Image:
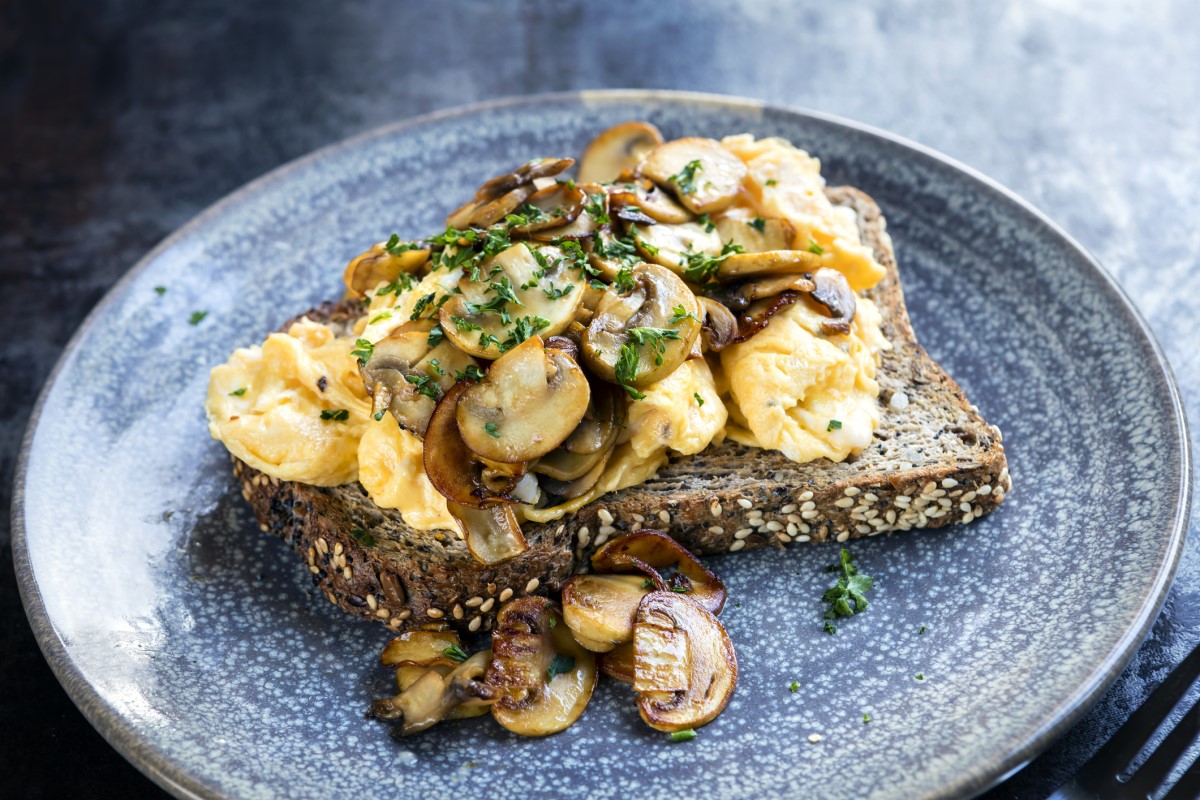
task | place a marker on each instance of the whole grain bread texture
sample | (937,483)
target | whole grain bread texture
(933,461)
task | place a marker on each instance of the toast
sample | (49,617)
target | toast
(933,461)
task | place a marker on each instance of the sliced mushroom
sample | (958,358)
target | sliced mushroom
(610,254)
(652,201)
(544,677)
(833,293)
(617,149)
(454,469)
(569,490)
(600,425)
(382,264)
(593,218)
(492,534)
(739,266)
(703,175)
(523,290)
(483,213)
(529,402)
(433,697)
(640,331)
(756,235)
(523,175)
(657,551)
(618,662)
(720,325)
(552,207)
(674,246)
(406,376)
(600,609)
(740,296)
(421,648)
(684,666)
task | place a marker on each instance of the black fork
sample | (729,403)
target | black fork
(1103,776)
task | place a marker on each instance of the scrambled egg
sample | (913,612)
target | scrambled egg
(265,404)
(790,388)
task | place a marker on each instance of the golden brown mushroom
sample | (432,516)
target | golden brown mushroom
(703,175)
(619,148)
(434,696)
(650,552)
(600,609)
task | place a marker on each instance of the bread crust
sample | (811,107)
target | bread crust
(932,463)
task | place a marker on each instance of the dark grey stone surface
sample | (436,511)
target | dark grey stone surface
(121,120)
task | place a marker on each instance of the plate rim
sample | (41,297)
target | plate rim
(155,764)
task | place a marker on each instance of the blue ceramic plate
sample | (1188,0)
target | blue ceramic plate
(195,644)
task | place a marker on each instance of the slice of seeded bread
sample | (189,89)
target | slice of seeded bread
(933,461)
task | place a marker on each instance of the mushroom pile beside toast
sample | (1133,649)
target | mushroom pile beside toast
(696,336)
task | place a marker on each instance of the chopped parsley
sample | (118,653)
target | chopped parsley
(794,687)
(455,653)
(335,415)
(771,181)
(656,338)
(378,415)
(364,350)
(523,328)
(642,243)
(866,718)
(648,584)
(160,290)
(463,325)
(685,179)
(706,222)
(702,267)
(699,399)
(921,631)
(363,536)
(437,366)
(436,334)
(526,214)
(920,676)
(238,392)
(595,209)
(380,316)
(396,247)
(815,248)
(626,370)
(624,280)
(404,281)
(554,292)
(679,314)
(197,317)
(758,223)
(685,735)
(491,430)
(834,425)
(622,250)
(472,372)
(848,596)
(422,306)
(426,385)
(559,666)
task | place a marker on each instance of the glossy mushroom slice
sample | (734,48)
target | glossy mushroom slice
(756,235)
(703,175)
(523,175)
(523,290)
(675,246)
(738,297)
(529,402)
(739,266)
(492,534)
(610,253)
(652,201)
(600,609)
(649,548)
(544,677)
(384,263)
(435,696)
(619,148)
(422,648)
(833,293)
(589,445)
(487,212)
(552,207)
(684,666)
(405,375)
(640,336)
(455,470)
(594,218)
(618,662)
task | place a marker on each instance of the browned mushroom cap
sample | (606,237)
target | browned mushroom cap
(525,289)
(492,534)
(594,218)
(835,295)
(640,331)
(421,648)
(452,467)
(648,548)
(720,325)
(703,175)
(600,425)
(620,148)
(383,264)
(406,376)
(684,666)
(529,402)
(552,207)
(739,266)
(618,662)
(739,296)
(434,696)
(610,254)
(672,245)
(544,677)
(483,213)
(600,609)
(526,174)
(756,235)
(652,201)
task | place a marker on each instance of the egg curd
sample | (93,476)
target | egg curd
(295,407)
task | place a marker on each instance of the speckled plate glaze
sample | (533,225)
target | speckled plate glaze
(195,645)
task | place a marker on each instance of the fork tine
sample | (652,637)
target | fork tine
(1131,737)
(1188,787)
(1164,758)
